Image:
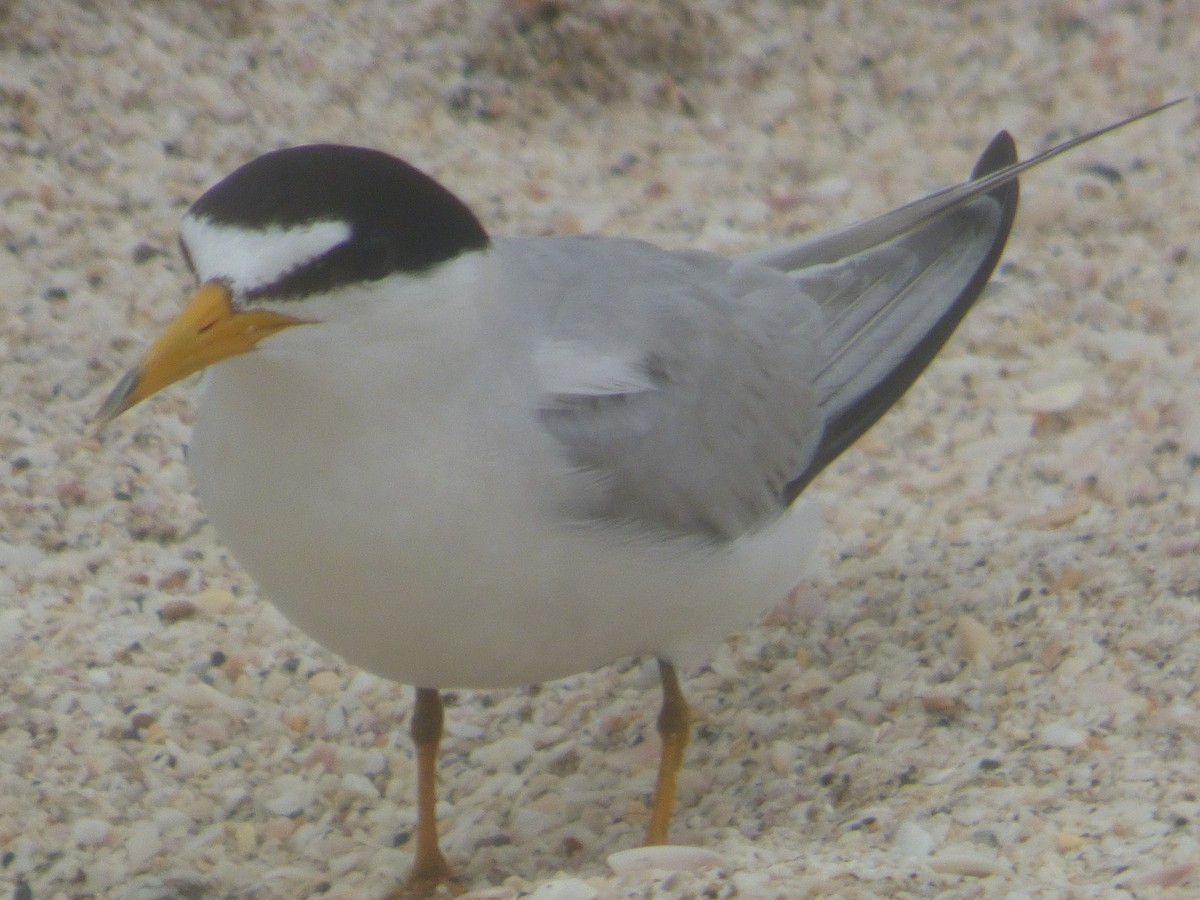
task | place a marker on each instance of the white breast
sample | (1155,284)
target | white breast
(400,503)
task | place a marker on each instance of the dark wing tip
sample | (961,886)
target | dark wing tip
(845,428)
(1001,152)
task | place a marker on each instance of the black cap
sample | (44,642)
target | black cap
(400,219)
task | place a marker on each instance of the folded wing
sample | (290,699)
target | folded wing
(699,396)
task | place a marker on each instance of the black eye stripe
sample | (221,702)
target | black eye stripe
(351,262)
(376,256)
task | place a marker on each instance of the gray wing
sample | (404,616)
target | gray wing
(697,394)
(701,395)
(682,384)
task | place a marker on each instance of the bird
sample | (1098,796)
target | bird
(466,461)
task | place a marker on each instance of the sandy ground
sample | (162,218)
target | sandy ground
(986,689)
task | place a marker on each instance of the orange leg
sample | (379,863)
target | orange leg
(429,868)
(674,726)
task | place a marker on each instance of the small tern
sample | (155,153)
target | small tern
(461,461)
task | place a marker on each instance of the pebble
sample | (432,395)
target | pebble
(1069,841)
(90,832)
(216,601)
(307,839)
(1060,515)
(373,762)
(666,858)
(506,753)
(1057,398)
(913,840)
(563,889)
(492,893)
(1083,656)
(1169,877)
(941,704)
(169,820)
(783,755)
(359,786)
(1060,734)
(463,730)
(177,611)
(976,642)
(326,681)
(334,720)
(969,864)
(527,822)
(754,886)
(855,688)
(11,625)
(232,798)
(143,842)
(199,695)
(830,189)
(245,837)
(279,828)
(287,795)
(846,732)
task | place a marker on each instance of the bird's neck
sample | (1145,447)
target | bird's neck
(418,348)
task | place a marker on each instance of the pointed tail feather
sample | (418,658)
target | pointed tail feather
(894,288)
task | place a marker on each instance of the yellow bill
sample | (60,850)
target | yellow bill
(207,331)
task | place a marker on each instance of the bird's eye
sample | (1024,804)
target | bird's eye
(376,255)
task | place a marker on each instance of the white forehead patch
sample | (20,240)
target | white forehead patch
(251,258)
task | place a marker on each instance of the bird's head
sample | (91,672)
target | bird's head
(272,243)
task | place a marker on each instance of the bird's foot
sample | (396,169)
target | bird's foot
(430,878)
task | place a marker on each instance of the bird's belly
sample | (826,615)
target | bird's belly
(442,565)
